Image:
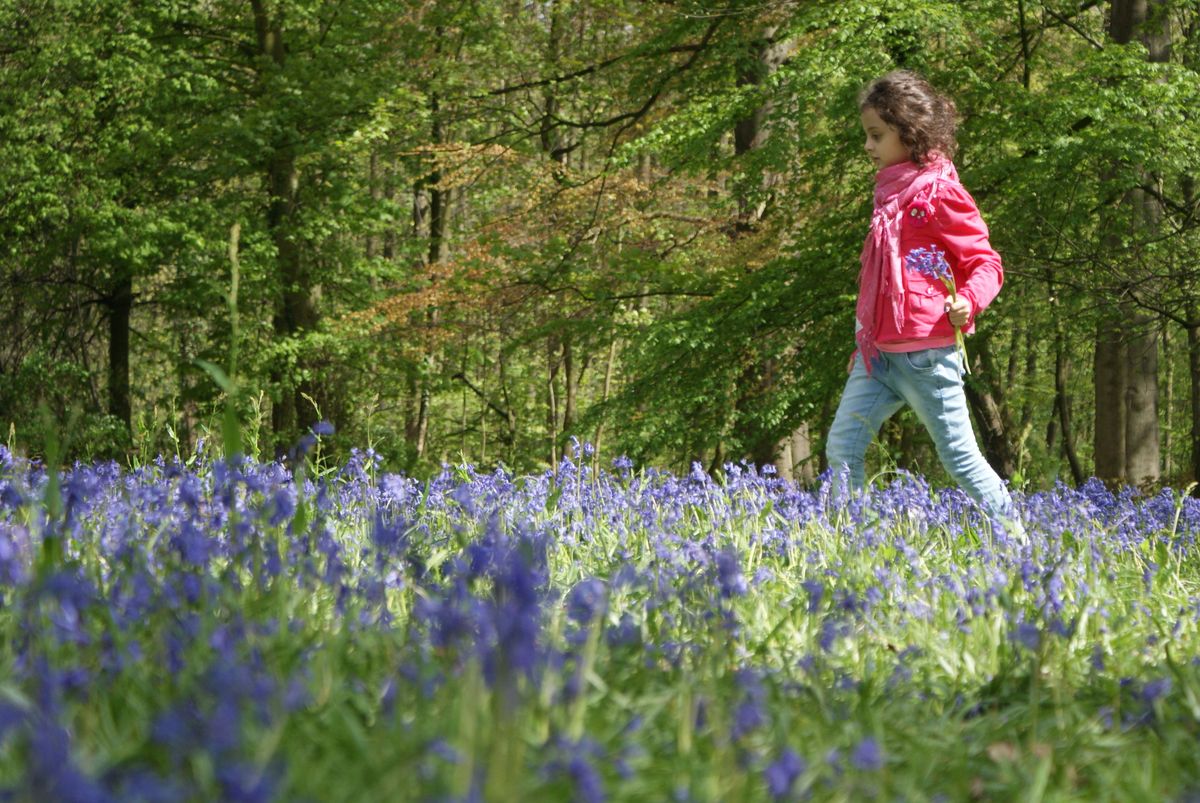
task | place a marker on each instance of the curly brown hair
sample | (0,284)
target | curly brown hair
(922,116)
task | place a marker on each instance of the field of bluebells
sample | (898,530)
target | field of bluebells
(213,631)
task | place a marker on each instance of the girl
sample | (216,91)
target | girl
(925,224)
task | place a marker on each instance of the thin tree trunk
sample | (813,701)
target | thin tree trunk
(1062,396)
(763,55)
(423,420)
(803,470)
(783,461)
(994,430)
(1193,341)
(607,389)
(120,304)
(1168,443)
(371,247)
(438,218)
(1193,337)
(462,419)
(1127,394)
(1025,67)
(1142,452)
(296,311)
(570,382)
(552,362)
(411,396)
(510,416)
(1110,381)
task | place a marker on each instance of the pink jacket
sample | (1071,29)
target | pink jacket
(955,228)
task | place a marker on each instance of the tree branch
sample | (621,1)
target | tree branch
(507,416)
(590,69)
(1067,21)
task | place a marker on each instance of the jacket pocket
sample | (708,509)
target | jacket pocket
(924,294)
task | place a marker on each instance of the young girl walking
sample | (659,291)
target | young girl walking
(925,229)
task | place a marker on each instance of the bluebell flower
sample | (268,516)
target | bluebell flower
(867,755)
(13,564)
(782,773)
(52,775)
(443,750)
(10,495)
(1156,689)
(930,262)
(586,600)
(589,788)
(12,717)
(141,786)
(625,633)
(831,631)
(816,590)
(243,783)
(729,573)
(747,717)
(1027,635)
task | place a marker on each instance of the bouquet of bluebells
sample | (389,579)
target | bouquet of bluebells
(931,262)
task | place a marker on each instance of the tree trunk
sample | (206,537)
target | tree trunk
(371,246)
(411,399)
(295,311)
(570,382)
(1193,340)
(803,469)
(510,416)
(1127,429)
(996,447)
(1062,396)
(120,303)
(1168,442)
(1109,371)
(437,217)
(1025,426)
(607,388)
(994,428)
(1193,335)
(763,55)
(462,418)
(552,363)
(422,434)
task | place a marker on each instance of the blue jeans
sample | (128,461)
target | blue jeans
(930,382)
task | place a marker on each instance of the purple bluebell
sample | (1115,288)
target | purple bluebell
(625,633)
(1027,635)
(1156,689)
(729,573)
(589,788)
(816,591)
(930,262)
(781,774)
(867,755)
(586,600)
(748,716)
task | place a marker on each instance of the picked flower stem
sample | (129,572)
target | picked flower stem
(959,340)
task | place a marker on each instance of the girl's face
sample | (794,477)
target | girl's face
(883,143)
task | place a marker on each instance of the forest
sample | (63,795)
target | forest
(507,232)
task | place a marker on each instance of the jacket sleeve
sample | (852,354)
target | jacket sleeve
(964,236)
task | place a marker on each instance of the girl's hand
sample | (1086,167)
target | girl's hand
(959,311)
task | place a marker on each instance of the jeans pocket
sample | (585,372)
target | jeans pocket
(924,361)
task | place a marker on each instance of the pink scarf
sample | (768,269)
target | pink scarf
(900,189)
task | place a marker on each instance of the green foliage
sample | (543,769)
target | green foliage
(602,214)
